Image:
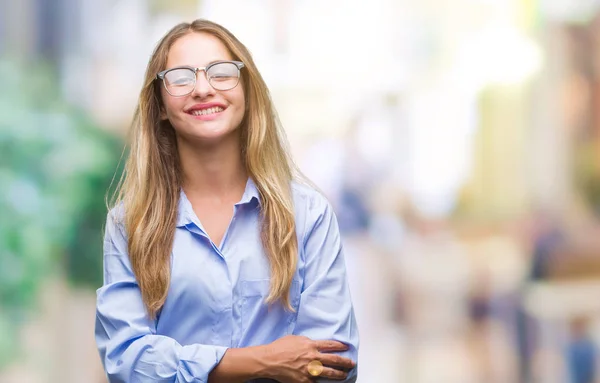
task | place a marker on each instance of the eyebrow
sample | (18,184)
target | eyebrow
(193,66)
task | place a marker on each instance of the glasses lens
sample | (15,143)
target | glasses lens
(180,82)
(223,76)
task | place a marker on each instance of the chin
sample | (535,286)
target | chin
(211,135)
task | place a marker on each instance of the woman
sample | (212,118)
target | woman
(218,266)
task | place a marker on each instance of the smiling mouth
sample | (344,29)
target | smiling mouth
(205,112)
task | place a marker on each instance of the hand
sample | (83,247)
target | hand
(287,359)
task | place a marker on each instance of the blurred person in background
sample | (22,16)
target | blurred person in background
(218,265)
(547,235)
(581,352)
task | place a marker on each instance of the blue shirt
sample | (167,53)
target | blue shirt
(216,296)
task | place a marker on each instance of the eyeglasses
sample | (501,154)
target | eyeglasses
(181,81)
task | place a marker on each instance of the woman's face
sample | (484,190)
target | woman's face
(206,114)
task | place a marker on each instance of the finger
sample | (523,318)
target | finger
(330,345)
(332,373)
(333,360)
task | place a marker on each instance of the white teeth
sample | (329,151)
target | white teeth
(204,112)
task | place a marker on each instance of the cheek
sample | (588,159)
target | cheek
(241,108)
(240,100)
(171,106)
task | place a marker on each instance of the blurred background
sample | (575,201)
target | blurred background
(459,142)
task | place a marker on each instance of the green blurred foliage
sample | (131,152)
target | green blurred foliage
(55,167)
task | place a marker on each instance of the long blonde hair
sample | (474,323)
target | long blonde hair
(149,188)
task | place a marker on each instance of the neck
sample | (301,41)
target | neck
(213,171)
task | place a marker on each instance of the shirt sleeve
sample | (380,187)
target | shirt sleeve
(325,310)
(126,338)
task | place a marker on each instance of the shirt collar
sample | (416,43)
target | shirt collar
(185,212)
(250,194)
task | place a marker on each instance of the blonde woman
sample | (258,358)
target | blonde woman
(218,265)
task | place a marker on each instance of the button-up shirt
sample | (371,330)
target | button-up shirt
(216,297)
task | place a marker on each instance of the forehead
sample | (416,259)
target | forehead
(198,50)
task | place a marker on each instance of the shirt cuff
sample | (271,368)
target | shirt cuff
(197,361)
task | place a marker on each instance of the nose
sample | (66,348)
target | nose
(203,87)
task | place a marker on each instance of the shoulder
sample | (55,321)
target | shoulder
(308,198)
(115,220)
(310,207)
(116,214)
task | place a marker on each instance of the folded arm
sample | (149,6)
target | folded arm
(325,310)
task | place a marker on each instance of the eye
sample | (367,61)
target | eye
(180,77)
(181,82)
(221,78)
(223,72)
